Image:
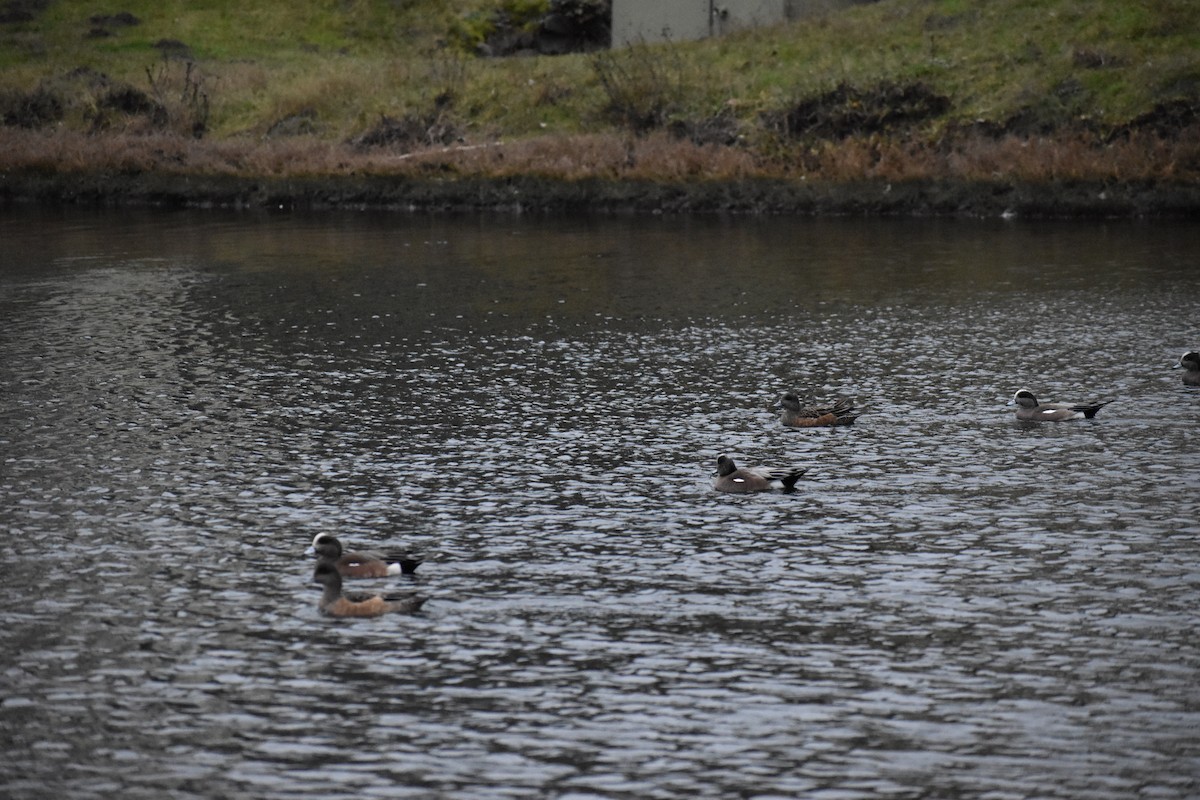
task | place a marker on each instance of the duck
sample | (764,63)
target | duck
(360,564)
(797,416)
(1189,362)
(1030,409)
(334,603)
(729,477)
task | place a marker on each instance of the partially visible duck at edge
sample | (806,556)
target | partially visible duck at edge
(362,563)
(1028,408)
(335,603)
(797,416)
(732,478)
(1189,362)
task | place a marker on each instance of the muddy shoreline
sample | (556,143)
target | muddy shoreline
(1042,200)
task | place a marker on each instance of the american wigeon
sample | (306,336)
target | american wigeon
(358,604)
(797,416)
(1030,409)
(731,478)
(1190,363)
(363,563)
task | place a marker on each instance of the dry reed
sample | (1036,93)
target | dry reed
(1139,156)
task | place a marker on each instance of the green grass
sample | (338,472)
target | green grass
(228,31)
(352,61)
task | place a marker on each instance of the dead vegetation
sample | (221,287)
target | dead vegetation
(410,132)
(175,99)
(1135,155)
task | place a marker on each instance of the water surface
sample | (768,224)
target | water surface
(953,604)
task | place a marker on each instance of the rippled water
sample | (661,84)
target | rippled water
(952,604)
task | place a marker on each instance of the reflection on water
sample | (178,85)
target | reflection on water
(952,604)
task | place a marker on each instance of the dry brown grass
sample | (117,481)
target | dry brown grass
(975,157)
(1138,157)
(563,158)
(657,157)
(613,157)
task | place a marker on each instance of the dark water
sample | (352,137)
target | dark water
(952,605)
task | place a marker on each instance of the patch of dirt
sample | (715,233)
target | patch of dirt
(122,19)
(105,25)
(301,123)
(15,12)
(89,77)
(1165,119)
(173,49)
(1091,58)
(408,132)
(123,100)
(128,100)
(850,111)
(33,109)
(720,129)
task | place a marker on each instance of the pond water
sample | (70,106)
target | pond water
(952,604)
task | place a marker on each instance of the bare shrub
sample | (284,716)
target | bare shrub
(722,128)
(643,85)
(408,132)
(179,89)
(33,109)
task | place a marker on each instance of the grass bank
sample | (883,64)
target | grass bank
(900,106)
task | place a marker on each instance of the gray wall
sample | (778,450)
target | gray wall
(678,20)
(658,20)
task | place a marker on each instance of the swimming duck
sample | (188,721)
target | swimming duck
(1031,409)
(797,416)
(1190,363)
(731,478)
(360,564)
(358,604)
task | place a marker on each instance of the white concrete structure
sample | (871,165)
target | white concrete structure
(678,20)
